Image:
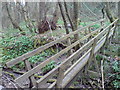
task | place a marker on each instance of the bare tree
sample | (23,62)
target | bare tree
(75,22)
(25,13)
(108,12)
(55,14)
(13,21)
(68,16)
(75,19)
(63,16)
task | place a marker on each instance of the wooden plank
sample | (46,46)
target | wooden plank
(28,67)
(69,59)
(104,30)
(91,55)
(38,67)
(64,84)
(111,31)
(96,64)
(44,79)
(79,74)
(103,37)
(79,66)
(76,69)
(52,85)
(69,43)
(38,50)
(60,77)
(82,63)
(78,61)
(46,76)
(32,53)
(99,45)
(93,74)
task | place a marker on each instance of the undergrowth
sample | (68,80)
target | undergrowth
(17,46)
(116,74)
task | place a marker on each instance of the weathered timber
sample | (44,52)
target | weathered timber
(60,77)
(101,42)
(28,67)
(65,77)
(37,68)
(40,49)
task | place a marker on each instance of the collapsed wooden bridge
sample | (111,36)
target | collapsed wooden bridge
(66,72)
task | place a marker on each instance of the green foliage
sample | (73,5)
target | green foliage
(48,67)
(82,23)
(116,75)
(24,25)
(116,66)
(76,83)
(42,56)
(116,83)
(98,57)
(15,46)
(60,22)
(36,58)
(96,26)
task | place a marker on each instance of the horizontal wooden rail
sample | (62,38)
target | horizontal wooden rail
(73,70)
(104,31)
(38,67)
(79,63)
(44,47)
(69,59)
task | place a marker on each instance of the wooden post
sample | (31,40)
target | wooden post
(91,55)
(114,31)
(60,77)
(28,67)
(106,40)
(69,43)
(89,29)
(96,64)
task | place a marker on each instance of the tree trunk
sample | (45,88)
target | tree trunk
(26,16)
(108,12)
(63,16)
(66,27)
(13,22)
(67,14)
(55,14)
(75,21)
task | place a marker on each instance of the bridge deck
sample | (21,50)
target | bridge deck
(83,60)
(91,47)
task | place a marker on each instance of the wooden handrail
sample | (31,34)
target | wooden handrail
(100,40)
(38,67)
(44,47)
(69,59)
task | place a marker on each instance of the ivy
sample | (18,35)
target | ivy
(15,46)
(49,67)
(116,76)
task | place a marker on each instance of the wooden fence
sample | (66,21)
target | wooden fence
(61,74)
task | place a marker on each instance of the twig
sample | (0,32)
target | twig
(102,74)
(90,11)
